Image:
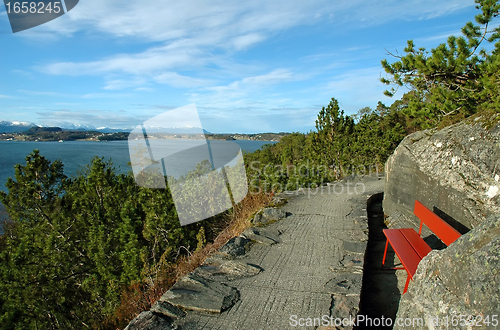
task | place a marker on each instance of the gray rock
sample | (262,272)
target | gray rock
(269,214)
(462,279)
(454,171)
(235,247)
(261,235)
(150,321)
(345,283)
(356,247)
(279,200)
(194,292)
(167,309)
(227,270)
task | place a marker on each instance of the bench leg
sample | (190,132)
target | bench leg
(385,252)
(383,260)
(407,283)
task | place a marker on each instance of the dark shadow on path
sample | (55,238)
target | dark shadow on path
(379,294)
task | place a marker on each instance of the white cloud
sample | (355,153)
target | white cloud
(104,95)
(176,80)
(190,32)
(167,20)
(245,41)
(117,84)
(44,93)
(243,92)
(441,38)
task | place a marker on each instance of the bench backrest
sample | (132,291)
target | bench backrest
(442,229)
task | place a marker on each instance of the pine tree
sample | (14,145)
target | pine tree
(455,79)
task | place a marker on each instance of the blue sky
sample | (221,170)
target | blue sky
(254,66)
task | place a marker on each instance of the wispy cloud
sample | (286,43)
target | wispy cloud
(117,84)
(176,80)
(44,93)
(73,96)
(442,37)
(243,91)
(361,86)
(188,34)
(89,117)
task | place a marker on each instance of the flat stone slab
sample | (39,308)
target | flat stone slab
(227,270)
(268,215)
(235,247)
(266,236)
(167,309)
(194,292)
(150,321)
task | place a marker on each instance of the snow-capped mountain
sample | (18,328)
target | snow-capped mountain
(79,127)
(75,127)
(18,127)
(15,126)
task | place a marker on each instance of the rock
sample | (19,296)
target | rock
(454,171)
(345,283)
(279,201)
(269,214)
(261,235)
(167,309)
(227,270)
(150,321)
(462,279)
(235,247)
(194,292)
(356,247)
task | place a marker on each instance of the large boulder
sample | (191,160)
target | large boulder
(454,171)
(463,279)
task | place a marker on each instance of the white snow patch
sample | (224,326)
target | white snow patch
(497,177)
(454,160)
(492,191)
(438,145)
(472,138)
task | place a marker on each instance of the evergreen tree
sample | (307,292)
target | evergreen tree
(453,80)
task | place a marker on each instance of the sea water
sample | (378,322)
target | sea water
(75,155)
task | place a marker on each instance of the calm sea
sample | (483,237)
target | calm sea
(77,154)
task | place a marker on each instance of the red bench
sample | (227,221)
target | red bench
(410,247)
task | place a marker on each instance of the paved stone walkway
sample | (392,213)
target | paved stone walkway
(315,270)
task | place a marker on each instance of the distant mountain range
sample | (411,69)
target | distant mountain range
(20,127)
(15,126)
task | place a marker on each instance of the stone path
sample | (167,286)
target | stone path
(314,271)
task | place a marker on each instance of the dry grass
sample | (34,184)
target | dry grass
(140,297)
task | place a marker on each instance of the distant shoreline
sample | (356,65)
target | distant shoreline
(93,136)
